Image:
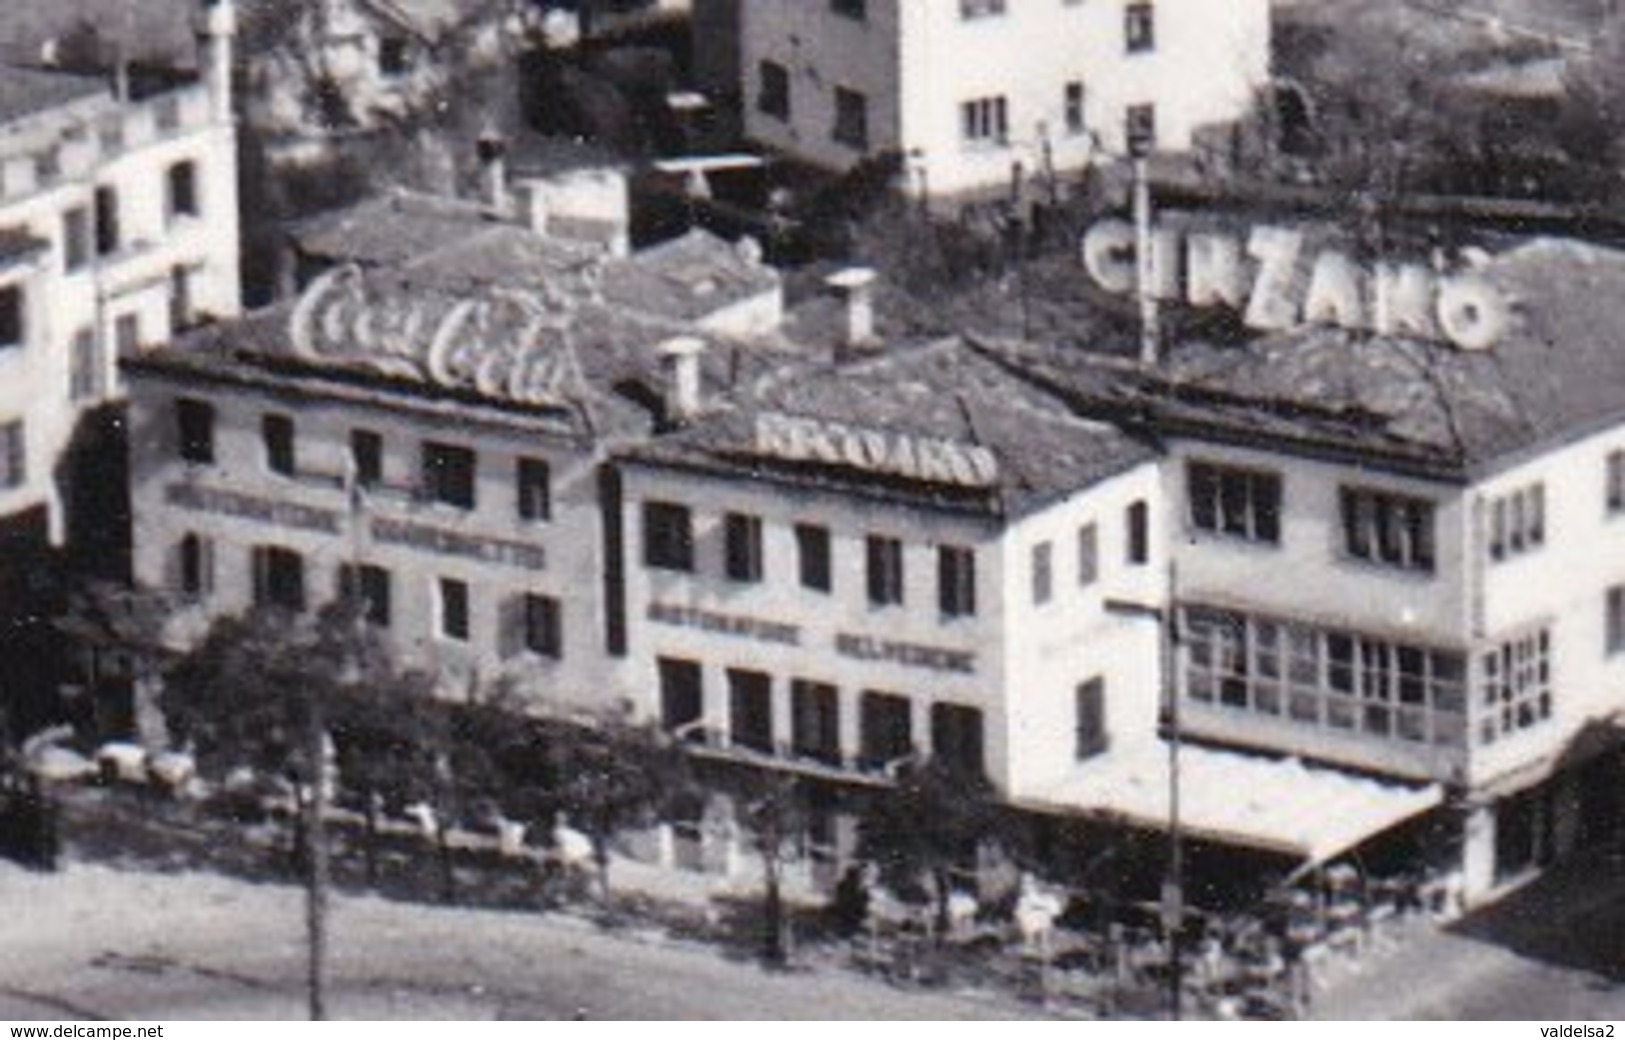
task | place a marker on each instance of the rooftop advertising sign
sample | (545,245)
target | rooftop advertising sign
(1274,282)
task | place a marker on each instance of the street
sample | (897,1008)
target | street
(93,942)
(1554,950)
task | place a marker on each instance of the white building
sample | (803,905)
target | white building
(119,217)
(431,435)
(975,95)
(1399,555)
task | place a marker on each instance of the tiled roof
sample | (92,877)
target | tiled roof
(28,92)
(686,278)
(1557,372)
(392,228)
(150,31)
(943,392)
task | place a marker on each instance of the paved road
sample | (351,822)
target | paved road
(1554,951)
(94,942)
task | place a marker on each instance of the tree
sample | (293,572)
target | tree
(929,824)
(257,692)
(774,815)
(616,773)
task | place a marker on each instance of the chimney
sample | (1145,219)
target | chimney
(216,29)
(492,149)
(855,288)
(681,359)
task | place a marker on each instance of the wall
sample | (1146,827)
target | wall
(130,147)
(1054,647)
(571,540)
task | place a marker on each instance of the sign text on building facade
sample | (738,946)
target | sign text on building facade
(928,459)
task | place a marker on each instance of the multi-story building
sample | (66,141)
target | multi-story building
(908,553)
(1400,555)
(976,95)
(431,436)
(119,217)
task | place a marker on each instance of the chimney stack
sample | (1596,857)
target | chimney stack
(492,149)
(855,288)
(681,359)
(216,29)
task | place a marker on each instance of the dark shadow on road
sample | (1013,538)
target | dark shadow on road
(1571,917)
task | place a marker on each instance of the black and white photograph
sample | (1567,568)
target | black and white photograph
(1086,511)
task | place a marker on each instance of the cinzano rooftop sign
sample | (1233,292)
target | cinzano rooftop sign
(1274,283)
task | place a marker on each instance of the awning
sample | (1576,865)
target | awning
(1280,805)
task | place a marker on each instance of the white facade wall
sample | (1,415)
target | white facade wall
(1309,577)
(135,282)
(1560,586)
(1108,629)
(571,540)
(1028,659)
(920,61)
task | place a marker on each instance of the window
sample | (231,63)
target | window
(743,537)
(127,334)
(1139,27)
(1518,522)
(1088,555)
(985,120)
(453,609)
(1043,573)
(1616,482)
(1517,686)
(367,458)
(1323,677)
(858,9)
(533,480)
(1395,530)
(544,626)
(1091,719)
(1140,129)
(194,422)
(13,317)
(392,56)
(85,366)
(813,552)
(885,570)
(682,695)
(449,474)
(181,315)
(1137,518)
(277,433)
(196,566)
(851,119)
(182,195)
(886,724)
(1614,621)
(750,702)
(969,9)
(13,454)
(815,721)
(370,585)
(668,537)
(107,221)
(76,242)
(956,738)
(1072,108)
(956,581)
(773,90)
(1239,503)
(279,578)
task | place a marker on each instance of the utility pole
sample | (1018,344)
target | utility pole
(1173,890)
(1145,291)
(316,849)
